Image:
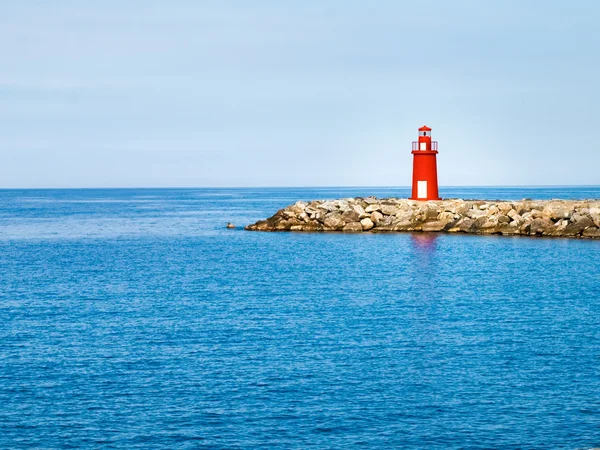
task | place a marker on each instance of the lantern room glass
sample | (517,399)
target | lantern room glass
(425,133)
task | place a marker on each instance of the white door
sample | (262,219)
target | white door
(421,189)
(423,146)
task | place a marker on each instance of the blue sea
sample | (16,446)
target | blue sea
(131,318)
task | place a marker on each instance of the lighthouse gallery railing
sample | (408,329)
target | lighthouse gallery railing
(434,146)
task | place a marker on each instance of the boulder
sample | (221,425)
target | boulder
(556,210)
(283,225)
(404,216)
(445,216)
(478,224)
(341,204)
(583,220)
(373,207)
(312,226)
(465,224)
(592,232)
(297,208)
(502,219)
(476,213)
(431,212)
(595,215)
(541,226)
(403,225)
(327,206)
(358,209)
(438,225)
(536,214)
(385,221)
(352,227)
(376,217)
(230,225)
(508,229)
(310,210)
(461,208)
(334,221)
(577,227)
(504,207)
(350,216)
(300,204)
(367,224)
(389,210)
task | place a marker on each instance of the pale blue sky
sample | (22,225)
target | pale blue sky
(297,93)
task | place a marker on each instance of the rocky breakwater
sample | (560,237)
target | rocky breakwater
(559,218)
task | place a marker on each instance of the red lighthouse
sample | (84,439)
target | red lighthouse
(424,182)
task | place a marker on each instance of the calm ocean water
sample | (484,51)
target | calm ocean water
(134,319)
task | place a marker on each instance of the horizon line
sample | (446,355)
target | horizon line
(533,186)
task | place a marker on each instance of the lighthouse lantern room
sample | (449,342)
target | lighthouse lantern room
(424,182)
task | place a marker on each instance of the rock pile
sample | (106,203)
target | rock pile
(563,218)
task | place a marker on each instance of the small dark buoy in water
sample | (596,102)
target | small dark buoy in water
(230,225)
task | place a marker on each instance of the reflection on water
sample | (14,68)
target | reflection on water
(423,265)
(424,242)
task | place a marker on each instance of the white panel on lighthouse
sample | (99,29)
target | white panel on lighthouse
(421,189)
(423,146)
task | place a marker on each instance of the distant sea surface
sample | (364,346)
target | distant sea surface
(131,318)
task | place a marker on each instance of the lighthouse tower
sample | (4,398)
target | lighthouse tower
(424,182)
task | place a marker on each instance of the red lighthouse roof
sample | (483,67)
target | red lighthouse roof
(424,128)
